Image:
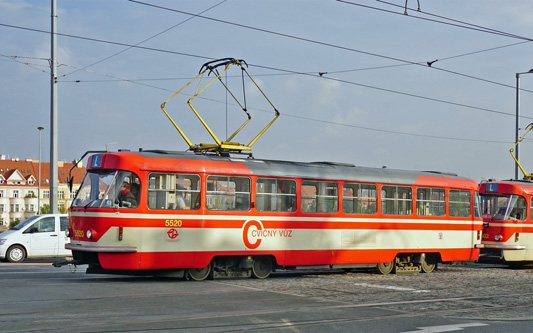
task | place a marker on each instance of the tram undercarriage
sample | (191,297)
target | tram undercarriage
(259,267)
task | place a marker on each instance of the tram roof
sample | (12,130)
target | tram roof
(311,170)
(514,186)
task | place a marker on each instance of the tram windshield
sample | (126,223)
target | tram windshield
(503,207)
(108,189)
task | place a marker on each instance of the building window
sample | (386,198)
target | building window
(1,208)
(1,193)
(46,194)
(15,193)
(61,195)
(31,182)
(73,194)
(17,208)
(32,208)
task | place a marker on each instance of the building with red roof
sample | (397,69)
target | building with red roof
(19,187)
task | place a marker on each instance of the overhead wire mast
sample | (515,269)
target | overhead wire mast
(221,146)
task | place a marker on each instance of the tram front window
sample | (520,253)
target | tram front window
(108,189)
(503,207)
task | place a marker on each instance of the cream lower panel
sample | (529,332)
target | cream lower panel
(520,255)
(189,239)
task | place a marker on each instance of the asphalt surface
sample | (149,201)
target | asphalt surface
(468,298)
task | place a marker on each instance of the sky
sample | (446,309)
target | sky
(377,103)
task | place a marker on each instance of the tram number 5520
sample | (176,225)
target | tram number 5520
(173,223)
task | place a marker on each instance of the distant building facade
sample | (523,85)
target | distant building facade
(19,187)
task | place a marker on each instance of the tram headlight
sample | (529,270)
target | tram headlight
(91,234)
(497,237)
(67,232)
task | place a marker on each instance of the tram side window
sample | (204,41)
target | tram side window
(396,200)
(174,191)
(228,193)
(459,203)
(319,197)
(359,198)
(430,201)
(275,195)
(531,209)
(477,205)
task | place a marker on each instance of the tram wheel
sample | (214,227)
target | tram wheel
(386,267)
(199,274)
(428,265)
(262,267)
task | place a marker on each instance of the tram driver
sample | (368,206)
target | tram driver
(126,198)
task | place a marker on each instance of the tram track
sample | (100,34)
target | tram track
(273,325)
(310,302)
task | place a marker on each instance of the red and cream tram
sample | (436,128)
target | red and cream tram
(508,228)
(202,215)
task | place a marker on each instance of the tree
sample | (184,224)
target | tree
(45,209)
(14,223)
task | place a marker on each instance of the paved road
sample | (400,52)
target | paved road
(38,297)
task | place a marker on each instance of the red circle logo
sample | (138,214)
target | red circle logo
(172,233)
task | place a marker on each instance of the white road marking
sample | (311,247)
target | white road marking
(446,328)
(381,286)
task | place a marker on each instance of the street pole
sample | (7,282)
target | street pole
(39,176)
(517,131)
(53,114)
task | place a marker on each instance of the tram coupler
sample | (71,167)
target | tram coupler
(65,262)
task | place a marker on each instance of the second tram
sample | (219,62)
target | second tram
(205,215)
(507,208)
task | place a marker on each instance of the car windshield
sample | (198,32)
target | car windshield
(503,207)
(108,189)
(25,223)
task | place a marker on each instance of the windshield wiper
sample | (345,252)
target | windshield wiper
(90,202)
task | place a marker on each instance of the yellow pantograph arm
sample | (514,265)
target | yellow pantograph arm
(529,128)
(191,146)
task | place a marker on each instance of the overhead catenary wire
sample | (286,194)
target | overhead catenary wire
(457,23)
(262,30)
(322,43)
(332,122)
(115,78)
(146,39)
(279,74)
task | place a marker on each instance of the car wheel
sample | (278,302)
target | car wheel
(16,253)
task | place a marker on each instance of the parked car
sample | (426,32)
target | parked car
(38,236)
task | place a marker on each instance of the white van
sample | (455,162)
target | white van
(38,236)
